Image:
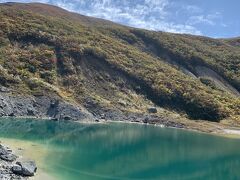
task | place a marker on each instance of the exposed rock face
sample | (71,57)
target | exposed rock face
(40,106)
(219,81)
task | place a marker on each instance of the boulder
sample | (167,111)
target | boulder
(16,169)
(11,114)
(145,120)
(28,167)
(152,110)
(67,118)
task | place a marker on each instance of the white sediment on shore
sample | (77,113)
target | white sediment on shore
(232,131)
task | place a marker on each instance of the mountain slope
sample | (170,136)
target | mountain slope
(105,67)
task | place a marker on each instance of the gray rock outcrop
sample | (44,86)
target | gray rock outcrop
(40,106)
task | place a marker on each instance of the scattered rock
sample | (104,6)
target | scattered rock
(30,112)
(4,89)
(54,119)
(11,114)
(8,149)
(4,177)
(137,120)
(145,120)
(9,170)
(102,116)
(8,157)
(6,154)
(3,150)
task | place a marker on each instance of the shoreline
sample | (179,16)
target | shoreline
(13,164)
(27,150)
(225,132)
(189,125)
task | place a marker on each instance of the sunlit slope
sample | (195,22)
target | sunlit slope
(103,65)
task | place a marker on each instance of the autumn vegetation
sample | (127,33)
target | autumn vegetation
(114,66)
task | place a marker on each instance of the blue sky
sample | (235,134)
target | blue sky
(214,18)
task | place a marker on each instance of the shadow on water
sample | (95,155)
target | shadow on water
(127,151)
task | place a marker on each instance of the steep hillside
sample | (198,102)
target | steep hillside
(109,69)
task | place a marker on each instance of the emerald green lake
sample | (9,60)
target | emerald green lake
(127,151)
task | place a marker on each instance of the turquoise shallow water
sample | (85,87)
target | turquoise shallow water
(128,151)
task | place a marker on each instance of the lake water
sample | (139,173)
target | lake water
(126,151)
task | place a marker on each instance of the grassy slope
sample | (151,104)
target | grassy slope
(46,49)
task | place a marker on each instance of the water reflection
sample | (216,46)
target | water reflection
(123,151)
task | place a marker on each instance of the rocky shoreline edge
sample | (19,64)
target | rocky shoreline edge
(150,119)
(12,168)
